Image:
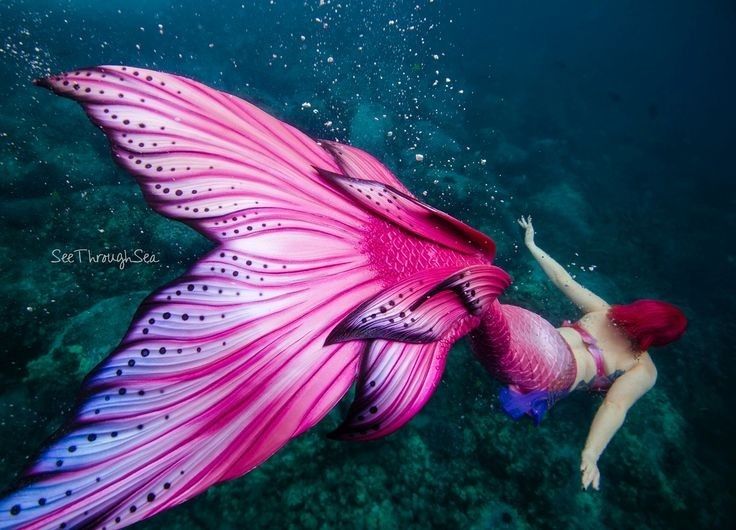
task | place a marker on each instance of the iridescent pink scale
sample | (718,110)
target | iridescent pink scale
(521,348)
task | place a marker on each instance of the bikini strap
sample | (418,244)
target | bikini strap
(591,345)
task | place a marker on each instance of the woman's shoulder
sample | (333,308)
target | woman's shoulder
(641,364)
(644,360)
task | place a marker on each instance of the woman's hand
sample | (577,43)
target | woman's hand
(589,470)
(526,224)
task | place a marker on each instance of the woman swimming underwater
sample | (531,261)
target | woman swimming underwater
(325,271)
(609,352)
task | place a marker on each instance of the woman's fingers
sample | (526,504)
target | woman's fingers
(591,476)
(586,473)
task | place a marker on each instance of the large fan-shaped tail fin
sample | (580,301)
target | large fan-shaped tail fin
(222,367)
(263,335)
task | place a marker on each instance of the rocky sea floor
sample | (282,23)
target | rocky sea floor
(629,181)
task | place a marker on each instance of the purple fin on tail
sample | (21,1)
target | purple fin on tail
(223,366)
(534,404)
(416,217)
(424,307)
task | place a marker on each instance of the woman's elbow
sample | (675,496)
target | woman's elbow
(615,408)
(652,376)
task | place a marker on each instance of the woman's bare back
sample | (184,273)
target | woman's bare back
(618,355)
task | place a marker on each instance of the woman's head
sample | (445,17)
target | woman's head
(649,322)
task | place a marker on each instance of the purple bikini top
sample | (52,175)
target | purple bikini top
(601,382)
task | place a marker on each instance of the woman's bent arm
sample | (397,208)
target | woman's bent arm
(611,415)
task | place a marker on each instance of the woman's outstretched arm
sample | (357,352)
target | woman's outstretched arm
(611,415)
(579,295)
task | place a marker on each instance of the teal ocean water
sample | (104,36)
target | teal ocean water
(611,122)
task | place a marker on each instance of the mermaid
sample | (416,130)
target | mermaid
(605,351)
(325,271)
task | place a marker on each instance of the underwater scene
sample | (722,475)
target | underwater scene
(610,123)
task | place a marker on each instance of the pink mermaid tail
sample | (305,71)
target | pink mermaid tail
(324,268)
(523,350)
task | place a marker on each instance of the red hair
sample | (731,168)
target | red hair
(649,322)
